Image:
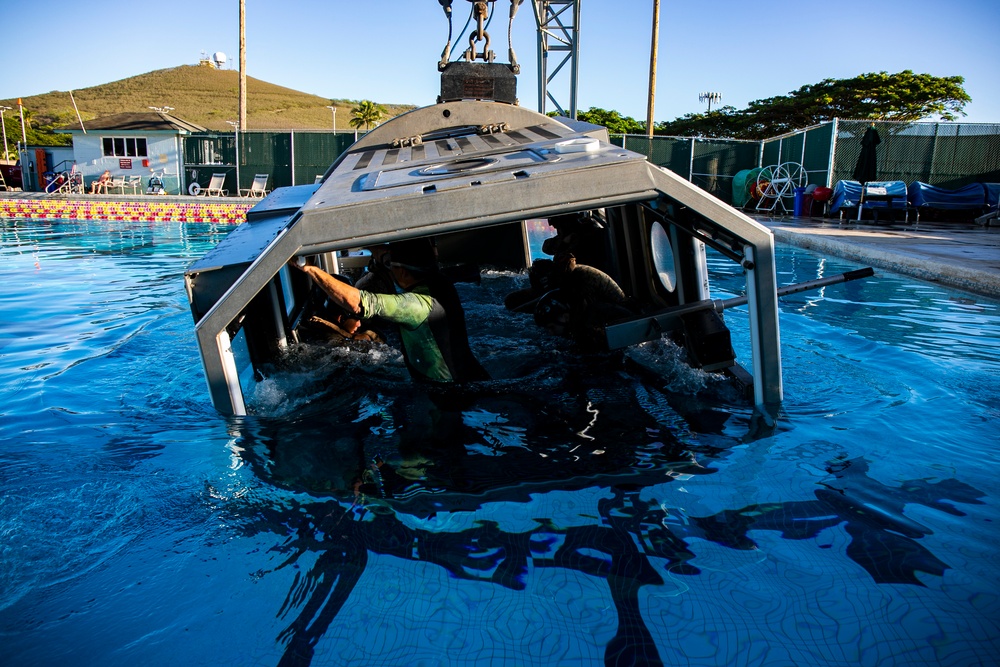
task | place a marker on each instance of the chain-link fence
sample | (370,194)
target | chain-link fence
(708,163)
(810,148)
(947,155)
(289,158)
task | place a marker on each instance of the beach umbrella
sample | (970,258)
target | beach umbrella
(867,166)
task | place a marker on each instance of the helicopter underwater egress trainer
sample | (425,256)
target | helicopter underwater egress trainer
(468,172)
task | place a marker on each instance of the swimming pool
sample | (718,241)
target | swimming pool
(574,511)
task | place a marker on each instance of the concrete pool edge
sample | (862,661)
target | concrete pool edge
(957,255)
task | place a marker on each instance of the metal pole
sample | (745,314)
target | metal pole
(291,156)
(629,332)
(691,163)
(24,135)
(540,22)
(243,64)
(73,100)
(574,66)
(334,110)
(236,135)
(934,158)
(4,126)
(25,169)
(833,153)
(652,68)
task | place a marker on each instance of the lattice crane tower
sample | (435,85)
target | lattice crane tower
(558,24)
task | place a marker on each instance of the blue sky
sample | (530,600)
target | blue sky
(387,50)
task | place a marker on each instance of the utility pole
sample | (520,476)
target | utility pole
(243,64)
(652,68)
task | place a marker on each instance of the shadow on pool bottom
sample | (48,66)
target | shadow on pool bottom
(379,459)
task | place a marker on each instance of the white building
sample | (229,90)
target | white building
(128,144)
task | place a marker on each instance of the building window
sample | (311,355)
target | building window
(124,146)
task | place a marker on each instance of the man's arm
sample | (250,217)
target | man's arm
(344,295)
(409,309)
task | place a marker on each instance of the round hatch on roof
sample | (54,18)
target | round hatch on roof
(581,145)
(459,166)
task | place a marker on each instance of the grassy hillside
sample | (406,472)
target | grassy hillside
(198,93)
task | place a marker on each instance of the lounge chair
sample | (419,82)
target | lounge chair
(214,187)
(257,188)
(118,183)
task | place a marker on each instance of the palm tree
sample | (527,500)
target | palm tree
(366,113)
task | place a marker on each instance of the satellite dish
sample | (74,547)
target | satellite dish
(220,59)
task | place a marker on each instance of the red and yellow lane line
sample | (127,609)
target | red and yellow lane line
(141,211)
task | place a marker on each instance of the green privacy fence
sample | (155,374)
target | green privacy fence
(708,163)
(947,155)
(810,148)
(289,158)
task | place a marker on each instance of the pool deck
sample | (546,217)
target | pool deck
(961,255)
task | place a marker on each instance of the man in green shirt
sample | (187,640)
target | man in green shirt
(426,308)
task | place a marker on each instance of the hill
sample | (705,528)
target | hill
(200,94)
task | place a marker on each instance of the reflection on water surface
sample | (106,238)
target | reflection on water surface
(576,509)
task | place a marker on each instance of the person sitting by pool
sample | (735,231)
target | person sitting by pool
(426,307)
(101,183)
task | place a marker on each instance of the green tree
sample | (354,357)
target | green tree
(722,122)
(367,113)
(904,96)
(37,133)
(614,121)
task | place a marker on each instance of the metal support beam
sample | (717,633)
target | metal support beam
(558,24)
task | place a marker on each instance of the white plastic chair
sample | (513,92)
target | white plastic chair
(257,188)
(214,187)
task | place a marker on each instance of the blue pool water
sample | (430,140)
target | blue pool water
(573,511)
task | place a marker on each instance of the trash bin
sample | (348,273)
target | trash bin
(798,205)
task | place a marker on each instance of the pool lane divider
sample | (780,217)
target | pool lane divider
(125,211)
